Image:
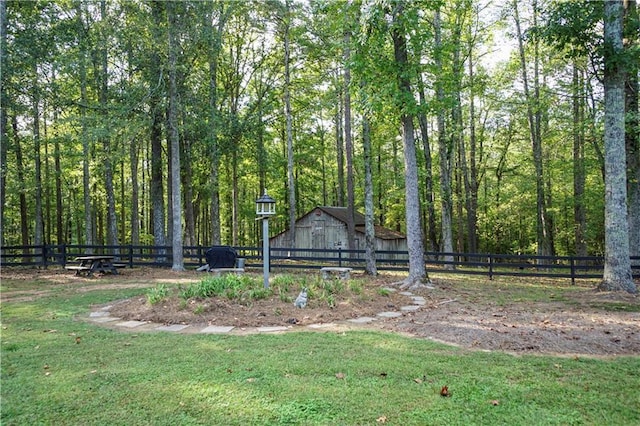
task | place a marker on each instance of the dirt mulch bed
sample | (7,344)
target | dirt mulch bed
(572,320)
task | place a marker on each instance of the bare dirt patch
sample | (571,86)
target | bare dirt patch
(505,315)
(581,321)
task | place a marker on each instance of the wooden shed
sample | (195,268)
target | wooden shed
(326,228)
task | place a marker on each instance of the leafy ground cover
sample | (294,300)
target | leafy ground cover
(58,369)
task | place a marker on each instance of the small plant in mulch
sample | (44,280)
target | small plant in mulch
(239,288)
(157,294)
(245,290)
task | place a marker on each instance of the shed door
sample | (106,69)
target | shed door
(318,235)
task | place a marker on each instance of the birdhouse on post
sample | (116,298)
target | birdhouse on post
(265,206)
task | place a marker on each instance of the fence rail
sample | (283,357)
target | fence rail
(487,264)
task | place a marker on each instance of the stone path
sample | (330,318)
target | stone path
(102,316)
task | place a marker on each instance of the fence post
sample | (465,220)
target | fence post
(573,270)
(130,255)
(490,267)
(340,257)
(44,256)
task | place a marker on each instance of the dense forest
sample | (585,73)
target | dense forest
(469,125)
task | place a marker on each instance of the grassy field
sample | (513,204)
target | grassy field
(60,371)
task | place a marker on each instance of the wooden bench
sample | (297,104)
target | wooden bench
(342,273)
(217,272)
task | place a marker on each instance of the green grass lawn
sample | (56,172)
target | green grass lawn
(60,371)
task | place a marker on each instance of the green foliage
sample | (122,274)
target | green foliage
(383,291)
(45,50)
(240,288)
(356,287)
(157,294)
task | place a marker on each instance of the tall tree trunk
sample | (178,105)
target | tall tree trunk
(39,220)
(369,228)
(135,192)
(428,166)
(417,271)
(471,182)
(446,152)
(287,105)
(47,178)
(156,189)
(533,114)
(457,125)
(134,153)
(4,101)
(187,184)
(84,137)
(351,225)
(617,265)
(235,191)
(340,191)
(632,134)
(215,37)
(579,211)
(174,139)
(24,216)
(60,237)
(112,224)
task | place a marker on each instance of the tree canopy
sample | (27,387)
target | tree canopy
(144,121)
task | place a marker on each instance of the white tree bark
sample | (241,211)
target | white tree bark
(417,270)
(176,193)
(617,265)
(288,114)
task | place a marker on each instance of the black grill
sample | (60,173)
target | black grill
(221,257)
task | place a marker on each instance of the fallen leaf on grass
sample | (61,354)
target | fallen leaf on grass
(417,380)
(445,391)
(495,402)
(340,375)
(381,419)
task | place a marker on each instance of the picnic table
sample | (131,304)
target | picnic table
(97,263)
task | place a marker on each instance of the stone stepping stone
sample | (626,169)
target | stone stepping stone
(217,329)
(272,329)
(410,308)
(361,320)
(131,324)
(97,314)
(419,300)
(106,319)
(172,327)
(406,293)
(318,326)
(390,314)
